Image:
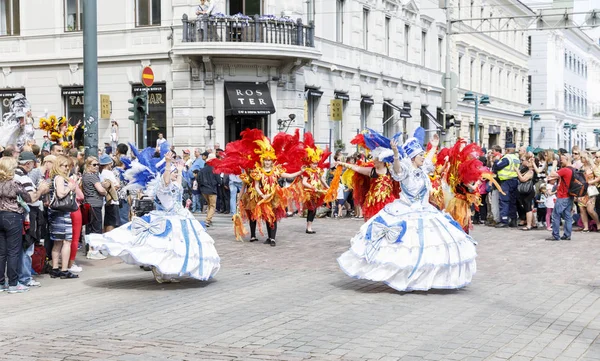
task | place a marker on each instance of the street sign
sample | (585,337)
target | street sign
(147,76)
(104,106)
(453,80)
(337,106)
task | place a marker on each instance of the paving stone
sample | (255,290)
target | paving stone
(291,302)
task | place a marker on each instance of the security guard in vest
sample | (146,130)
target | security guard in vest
(506,168)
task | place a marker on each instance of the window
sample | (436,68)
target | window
(73,15)
(481,70)
(492,91)
(529,45)
(365,112)
(310,10)
(389,121)
(10,20)
(406,41)
(472,74)
(388,21)
(460,70)
(366,28)
(423,48)
(148,12)
(339,21)
(440,53)
(253,7)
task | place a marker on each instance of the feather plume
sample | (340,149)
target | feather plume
(420,135)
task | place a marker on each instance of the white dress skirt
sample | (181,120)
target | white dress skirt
(169,238)
(410,245)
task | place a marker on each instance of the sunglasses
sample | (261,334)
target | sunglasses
(575,153)
(95,164)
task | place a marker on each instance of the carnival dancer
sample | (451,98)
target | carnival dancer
(59,130)
(410,245)
(168,239)
(315,187)
(461,177)
(373,185)
(260,163)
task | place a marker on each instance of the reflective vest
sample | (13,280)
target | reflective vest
(510,171)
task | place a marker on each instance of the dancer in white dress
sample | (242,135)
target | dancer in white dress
(169,239)
(410,245)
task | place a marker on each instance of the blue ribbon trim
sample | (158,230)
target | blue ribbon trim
(421,246)
(200,254)
(186,237)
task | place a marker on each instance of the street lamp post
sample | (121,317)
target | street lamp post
(483,99)
(532,117)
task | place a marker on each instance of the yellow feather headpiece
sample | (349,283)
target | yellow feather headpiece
(265,150)
(314,154)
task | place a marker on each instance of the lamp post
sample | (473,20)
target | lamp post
(285,123)
(483,99)
(532,117)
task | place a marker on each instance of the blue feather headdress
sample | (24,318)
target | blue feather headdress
(381,147)
(147,167)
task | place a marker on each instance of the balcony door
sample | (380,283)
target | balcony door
(246,7)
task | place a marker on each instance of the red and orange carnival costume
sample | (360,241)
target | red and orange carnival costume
(314,197)
(245,157)
(461,170)
(372,192)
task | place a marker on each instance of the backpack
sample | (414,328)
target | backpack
(38,259)
(578,186)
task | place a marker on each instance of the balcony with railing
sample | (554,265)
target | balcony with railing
(243,36)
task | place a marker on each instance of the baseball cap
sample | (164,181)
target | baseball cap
(205,154)
(186,151)
(25,157)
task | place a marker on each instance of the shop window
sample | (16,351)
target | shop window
(6,96)
(74,103)
(157,112)
(147,12)
(10,19)
(73,15)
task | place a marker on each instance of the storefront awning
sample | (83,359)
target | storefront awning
(403,113)
(426,113)
(248,99)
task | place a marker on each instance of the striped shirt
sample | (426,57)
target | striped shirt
(23,179)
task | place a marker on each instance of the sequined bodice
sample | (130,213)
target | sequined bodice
(169,197)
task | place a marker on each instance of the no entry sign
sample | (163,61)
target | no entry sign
(147,76)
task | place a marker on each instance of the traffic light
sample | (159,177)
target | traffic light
(140,107)
(135,115)
(141,104)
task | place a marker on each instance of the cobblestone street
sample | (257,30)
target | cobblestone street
(530,299)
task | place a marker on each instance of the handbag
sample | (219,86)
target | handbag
(525,187)
(592,191)
(66,204)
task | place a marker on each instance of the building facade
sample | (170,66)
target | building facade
(565,73)
(381,63)
(495,64)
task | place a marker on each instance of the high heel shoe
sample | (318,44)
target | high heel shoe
(310,232)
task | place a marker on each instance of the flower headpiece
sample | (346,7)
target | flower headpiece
(265,149)
(314,154)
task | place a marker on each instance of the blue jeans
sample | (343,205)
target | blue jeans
(124,212)
(234,189)
(196,204)
(563,208)
(25,270)
(11,243)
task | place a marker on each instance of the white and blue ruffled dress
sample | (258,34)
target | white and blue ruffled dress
(168,238)
(410,245)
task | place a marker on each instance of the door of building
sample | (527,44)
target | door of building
(235,124)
